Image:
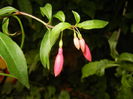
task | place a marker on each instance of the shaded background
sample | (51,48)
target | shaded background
(69,84)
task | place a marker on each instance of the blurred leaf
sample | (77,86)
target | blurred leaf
(60,15)
(7,11)
(127,80)
(113,40)
(76,16)
(45,49)
(127,66)
(32,62)
(47,11)
(64,95)
(9,75)
(97,67)
(14,58)
(92,24)
(126,88)
(126,57)
(25,6)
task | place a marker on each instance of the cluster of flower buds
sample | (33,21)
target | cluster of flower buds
(79,42)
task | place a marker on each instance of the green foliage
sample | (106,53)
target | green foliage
(92,24)
(55,32)
(7,11)
(5,25)
(113,40)
(97,67)
(111,49)
(47,11)
(60,15)
(45,49)
(76,16)
(126,57)
(14,57)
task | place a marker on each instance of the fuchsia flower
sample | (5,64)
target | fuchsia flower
(82,44)
(76,43)
(87,53)
(59,60)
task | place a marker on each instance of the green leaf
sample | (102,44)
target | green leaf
(76,16)
(92,24)
(7,11)
(9,75)
(60,15)
(56,31)
(25,5)
(5,24)
(126,57)
(113,40)
(14,58)
(97,67)
(126,66)
(45,49)
(49,40)
(47,11)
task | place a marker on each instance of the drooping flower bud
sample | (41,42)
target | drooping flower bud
(82,44)
(87,53)
(59,60)
(76,43)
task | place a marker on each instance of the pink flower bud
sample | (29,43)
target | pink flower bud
(59,60)
(82,44)
(87,53)
(76,43)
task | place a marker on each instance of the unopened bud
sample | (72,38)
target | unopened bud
(76,43)
(59,60)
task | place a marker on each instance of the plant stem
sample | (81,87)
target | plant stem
(29,15)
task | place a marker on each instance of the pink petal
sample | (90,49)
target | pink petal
(58,62)
(76,43)
(87,53)
(82,44)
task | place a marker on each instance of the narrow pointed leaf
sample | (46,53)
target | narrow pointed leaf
(14,58)
(47,11)
(9,75)
(92,24)
(45,49)
(113,40)
(97,67)
(5,24)
(7,10)
(76,16)
(126,57)
(60,15)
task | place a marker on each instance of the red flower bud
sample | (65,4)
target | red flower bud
(82,44)
(87,53)
(59,60)
(76,43)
